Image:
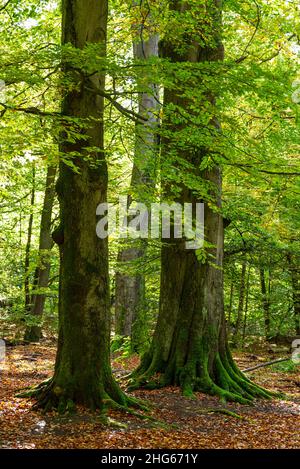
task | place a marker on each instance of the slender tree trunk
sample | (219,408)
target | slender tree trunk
(130,289)
(189,347)
(295,280)
(246,304)
(82,370)
(239,319)
(28,248)
(230,303)
(265,303)
(33,333)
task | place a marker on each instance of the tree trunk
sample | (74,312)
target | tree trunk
(189,347)
(33,333)
(246,305)
(82,370)
(230,304)
(28,248)
(295,278)
(239,319)
(265,303)
(130,289)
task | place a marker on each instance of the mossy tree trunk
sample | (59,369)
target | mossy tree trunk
(189,347)
(82,370)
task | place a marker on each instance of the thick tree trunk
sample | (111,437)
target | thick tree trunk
(33,333)
(130,289)
(189,346)
(82,369)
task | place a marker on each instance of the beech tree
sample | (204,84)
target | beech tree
(130,287)
(189,346)
(82,371)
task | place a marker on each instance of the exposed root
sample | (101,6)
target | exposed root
(221,411)
(225,380)
(50,397)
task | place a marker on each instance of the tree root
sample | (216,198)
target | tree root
(226,381)
(221,411)
(49,397)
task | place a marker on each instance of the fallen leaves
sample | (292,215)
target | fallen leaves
(188,423)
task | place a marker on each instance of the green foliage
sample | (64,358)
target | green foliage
(257,147)
(286,367)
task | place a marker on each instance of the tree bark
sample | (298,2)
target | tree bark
(189,347)
(33,332)
(82,370)
(130,289)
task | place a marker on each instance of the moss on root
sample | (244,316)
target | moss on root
(223,379)
(49,397)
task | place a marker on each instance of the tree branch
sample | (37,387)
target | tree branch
(5,5)
(261,365)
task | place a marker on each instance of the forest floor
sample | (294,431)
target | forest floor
(187,423)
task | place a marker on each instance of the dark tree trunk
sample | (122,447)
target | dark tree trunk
(28,248)
(130,289)
(230,304)
(33,333)
(265,303)
(82,370)
(295,278)
(239,319)
(189,346)
(246,305)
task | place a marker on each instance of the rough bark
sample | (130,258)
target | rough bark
(189,347)
(33,332)
(82,370)
(130,289)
